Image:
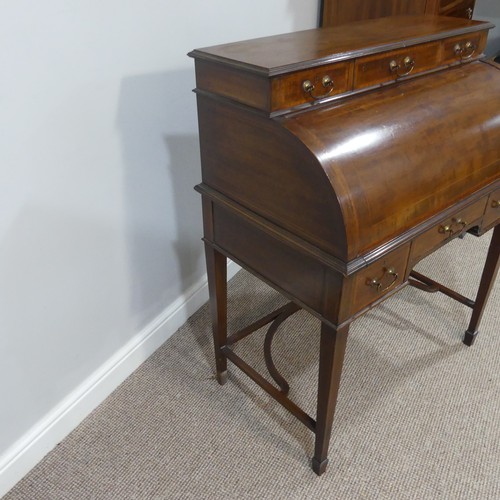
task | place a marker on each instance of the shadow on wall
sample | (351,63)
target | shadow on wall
(297,6)
(157,124)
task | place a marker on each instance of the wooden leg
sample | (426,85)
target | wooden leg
(331,357)
(487,279)
(217,287)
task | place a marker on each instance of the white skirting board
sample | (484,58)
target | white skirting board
(20,458)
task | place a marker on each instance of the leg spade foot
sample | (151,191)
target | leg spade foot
(319,467)
(222,377)
(470,337)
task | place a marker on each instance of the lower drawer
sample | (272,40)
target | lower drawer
(378,279)
(492,212)
(445,231)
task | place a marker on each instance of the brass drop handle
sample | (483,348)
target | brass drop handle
(469,12)
(449,228)
(377,283)
(465,51)
(404,68)
(309,87)
(495,204)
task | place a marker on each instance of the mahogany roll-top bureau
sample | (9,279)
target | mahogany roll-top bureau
(335,159)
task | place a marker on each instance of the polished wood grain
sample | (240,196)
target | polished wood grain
(450,54)
(376,280)
(384,154)
(376,69)
(333,202)
(297,275)
(339,12)
(332,350)
(348,69)
(247,88)
(246,156)
(309,48)
(287,91)
(217,286)
(447,229)
(456,8)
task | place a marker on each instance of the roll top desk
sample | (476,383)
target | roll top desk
(333,161)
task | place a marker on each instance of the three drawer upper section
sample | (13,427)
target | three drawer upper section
(278,73)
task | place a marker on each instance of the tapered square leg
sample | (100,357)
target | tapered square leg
(331,358)
(217,287)
(487,279)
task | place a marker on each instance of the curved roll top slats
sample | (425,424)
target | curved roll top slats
(395,157)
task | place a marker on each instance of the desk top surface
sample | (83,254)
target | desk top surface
(293,51)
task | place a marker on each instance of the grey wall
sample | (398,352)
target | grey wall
(489,10)
(99,225)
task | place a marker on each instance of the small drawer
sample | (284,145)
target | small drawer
(463,48)
(378,279)
(395,64)
(492,212)
(446,230)
(310,85)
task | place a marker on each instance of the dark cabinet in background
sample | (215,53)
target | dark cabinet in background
(336,12)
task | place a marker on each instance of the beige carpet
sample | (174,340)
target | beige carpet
(418,414)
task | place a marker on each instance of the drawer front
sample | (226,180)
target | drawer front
(390,66)
(378,279)
(463,48)
(456,8)
(492,212)
(446,230)
(310,85)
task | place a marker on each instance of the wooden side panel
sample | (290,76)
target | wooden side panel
(247,88)
(257,163)
(297,275)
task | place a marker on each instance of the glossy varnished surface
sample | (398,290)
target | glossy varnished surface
(375,69)
(337,58)
(260,165)
(298,50)
(333,205)
(405,153)
(337,12)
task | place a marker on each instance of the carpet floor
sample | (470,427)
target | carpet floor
(418,415)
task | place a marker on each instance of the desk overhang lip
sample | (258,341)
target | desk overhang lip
(269,72)
(335,263)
